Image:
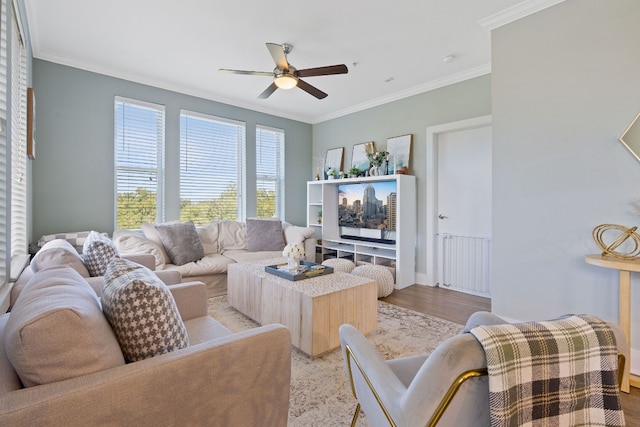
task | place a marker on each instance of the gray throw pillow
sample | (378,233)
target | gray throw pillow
(264,235)
(181,241)
(141,311)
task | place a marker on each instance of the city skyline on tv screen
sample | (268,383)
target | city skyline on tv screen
(367,205)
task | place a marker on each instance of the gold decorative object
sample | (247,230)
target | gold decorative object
(625,234)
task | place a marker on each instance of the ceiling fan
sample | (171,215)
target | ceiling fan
(286,76)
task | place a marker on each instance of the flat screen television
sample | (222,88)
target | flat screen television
(367,211)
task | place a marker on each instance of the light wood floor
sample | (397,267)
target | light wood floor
(457,307)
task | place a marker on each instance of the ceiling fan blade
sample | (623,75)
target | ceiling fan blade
(277,52)
(312,90)
(323,71)
(268,91)
(250,73)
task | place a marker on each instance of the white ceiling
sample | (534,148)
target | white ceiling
(393,49)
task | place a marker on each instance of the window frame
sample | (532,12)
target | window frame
(278,175)
(240,144)
(159,169)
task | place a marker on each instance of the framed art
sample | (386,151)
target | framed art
(333,160)
(359,156)
(31,120)
(399,148)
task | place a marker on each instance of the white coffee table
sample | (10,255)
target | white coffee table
(313,309)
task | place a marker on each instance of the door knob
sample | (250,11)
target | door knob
(442,216)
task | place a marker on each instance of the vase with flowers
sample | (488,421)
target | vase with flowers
(377,159)
(294,253)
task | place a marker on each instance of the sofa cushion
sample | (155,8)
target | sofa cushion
(150,232)
(9,380)
(142,311)
(246,256)
(97,251)
(232,235)
(209,264)
(296,234)
(209,238)
(264,235)
(58,252)
(56,330)
(131,242)
(181,241)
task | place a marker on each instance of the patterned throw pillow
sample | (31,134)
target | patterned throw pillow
(97,251)
(141,311)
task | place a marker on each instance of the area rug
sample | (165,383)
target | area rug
(320,394)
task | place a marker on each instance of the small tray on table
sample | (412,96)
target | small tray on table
(306,270)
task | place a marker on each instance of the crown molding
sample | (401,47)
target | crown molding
(161,84)
(416,90)
(515,12)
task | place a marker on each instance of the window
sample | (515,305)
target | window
(139,162)
(269,172)
(18,133)
(211,168)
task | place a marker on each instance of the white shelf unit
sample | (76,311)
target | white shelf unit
(399,258)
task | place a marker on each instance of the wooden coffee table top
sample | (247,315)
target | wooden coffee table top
(312,287)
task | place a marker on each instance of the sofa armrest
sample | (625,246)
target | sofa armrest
(169,277)
(246,374)
(304,235)
(191,299)
(147,260)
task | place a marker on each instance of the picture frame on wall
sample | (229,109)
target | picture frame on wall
(359,156)
(31,120)
(399,148)
(333,160)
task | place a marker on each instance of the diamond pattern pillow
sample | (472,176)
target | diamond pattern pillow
(97,251)
(141,311)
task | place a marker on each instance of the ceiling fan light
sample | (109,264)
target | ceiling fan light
(286,81)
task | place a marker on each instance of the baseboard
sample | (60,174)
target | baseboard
(635,362)
(421,279)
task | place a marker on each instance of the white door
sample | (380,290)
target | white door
(464,182)
(461,208)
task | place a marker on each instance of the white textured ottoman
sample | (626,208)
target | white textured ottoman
(381,275)
(340,264)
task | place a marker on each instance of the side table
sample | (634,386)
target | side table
(625,267)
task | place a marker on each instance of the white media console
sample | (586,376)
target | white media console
(398,256)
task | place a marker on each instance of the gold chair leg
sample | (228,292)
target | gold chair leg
(355,416)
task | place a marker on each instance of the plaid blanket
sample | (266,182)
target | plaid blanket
(561,372)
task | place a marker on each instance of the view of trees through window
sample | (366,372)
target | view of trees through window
(139,162)
(212,167)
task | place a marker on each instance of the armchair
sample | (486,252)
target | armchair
(450,387)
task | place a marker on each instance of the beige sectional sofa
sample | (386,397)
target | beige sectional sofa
(224,242)
(61,365)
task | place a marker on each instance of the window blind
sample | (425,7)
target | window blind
(18,132)
(4,261)
(139,160)
(211,168)
(270,172)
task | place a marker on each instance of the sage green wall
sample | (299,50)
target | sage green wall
(565,86)
(73,178)
(468,99)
